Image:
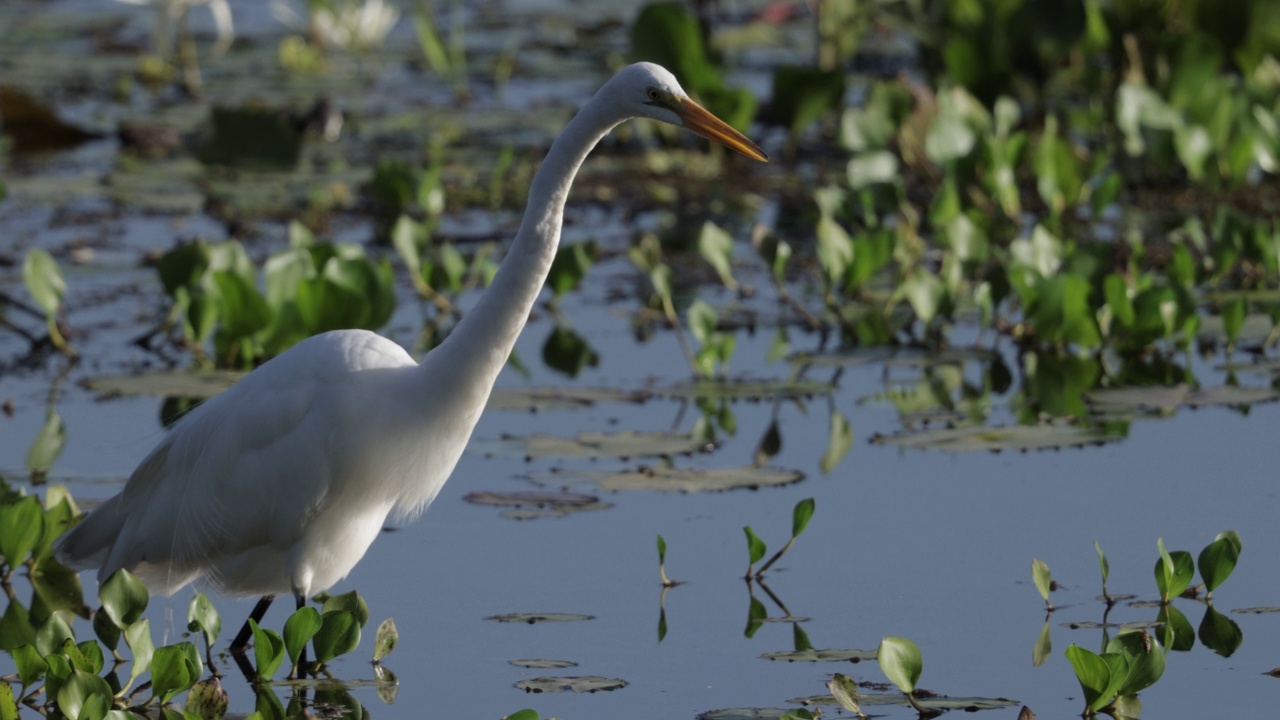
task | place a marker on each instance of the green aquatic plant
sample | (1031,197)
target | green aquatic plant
(1132,662)
(47,287)
(756,548)
(901,661)
(1043,580)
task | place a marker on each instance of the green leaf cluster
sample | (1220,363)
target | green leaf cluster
(307,289)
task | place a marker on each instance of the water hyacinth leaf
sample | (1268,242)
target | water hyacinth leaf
(1105,567)
(350,602)
(385,639)
(48,443)
(839,442)
(207,700)
(1233,314)
(105,628)
(172,671)
(52,635)
(91,656)
(1094,674)
(716,247)
(21,526)
(1220,633)
(684,480)
(925,293)
(900,661)
(8,706)
(58,672)
(835,251)
(534,618)
(124,598)
(339,634)
(1218,559)
(268,650)
(44,280)
(1116,291)
(801,515)
(845,691)
(1042,578)
(1145,658)
(526,714)
(138,636)
(1173,571)
(30,666)
(203,617)
(76,695)
(298,631)
(755,546)
(71,651)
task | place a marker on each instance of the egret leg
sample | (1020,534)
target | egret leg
(301,601)
(242,638)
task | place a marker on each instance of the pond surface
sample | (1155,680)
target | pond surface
(932,545)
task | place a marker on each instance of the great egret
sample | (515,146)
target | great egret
(281,483)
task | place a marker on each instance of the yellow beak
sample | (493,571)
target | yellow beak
(697,119)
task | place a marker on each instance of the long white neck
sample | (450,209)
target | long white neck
(475,352)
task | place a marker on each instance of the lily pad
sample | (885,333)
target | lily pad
(544,664)
(559,398)
(748,390)
(743,713)
(532,504)
(586,684)
(166,383)
(923,699)
(1164,400)
(596,444)
(666,479)
(829,655)
(534,618)
(1050,436)
(1257,610)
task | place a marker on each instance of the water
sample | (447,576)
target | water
(932,546)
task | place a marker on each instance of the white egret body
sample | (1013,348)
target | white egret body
(281,483)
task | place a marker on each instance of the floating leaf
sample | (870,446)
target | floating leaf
(828,655)
(995,439)
(168,383)
(594,443)
(543,664)
(686,480)
(845,691)
(531,504)
(532,618)
(124,598)
(585,684)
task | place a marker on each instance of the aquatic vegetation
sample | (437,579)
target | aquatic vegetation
(756,548)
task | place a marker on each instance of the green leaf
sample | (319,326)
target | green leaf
(802,94)
(138,636)
(298,631)
(268,650)
(1043,646)
(48,444)
(755,546)
(1144,656)
(1104,566)
(74,694)
(44,280)
(835,251)
(1095,676)
(21,525)
(845,691)
(570,266)
(800,516)
(839,442)
(105,628)
(385,639)
(1175,631)
(243,309)
(1116,291)
(1042,577)
(31,667)
(716,247)
(349,602)
(900,661)
(1173,571)
(339,634)
(1233,319)
(756,615)
(525,714)
(52,635)
(8,706)
(124,598)
(207,700)
(1218,559)
(172,671)
(662,550)
(204,617)
(924,292)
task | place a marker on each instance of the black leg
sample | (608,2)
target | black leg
(302,657)
(246,633)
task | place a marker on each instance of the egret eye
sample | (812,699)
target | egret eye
(654,94)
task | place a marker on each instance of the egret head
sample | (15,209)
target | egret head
(651,91)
